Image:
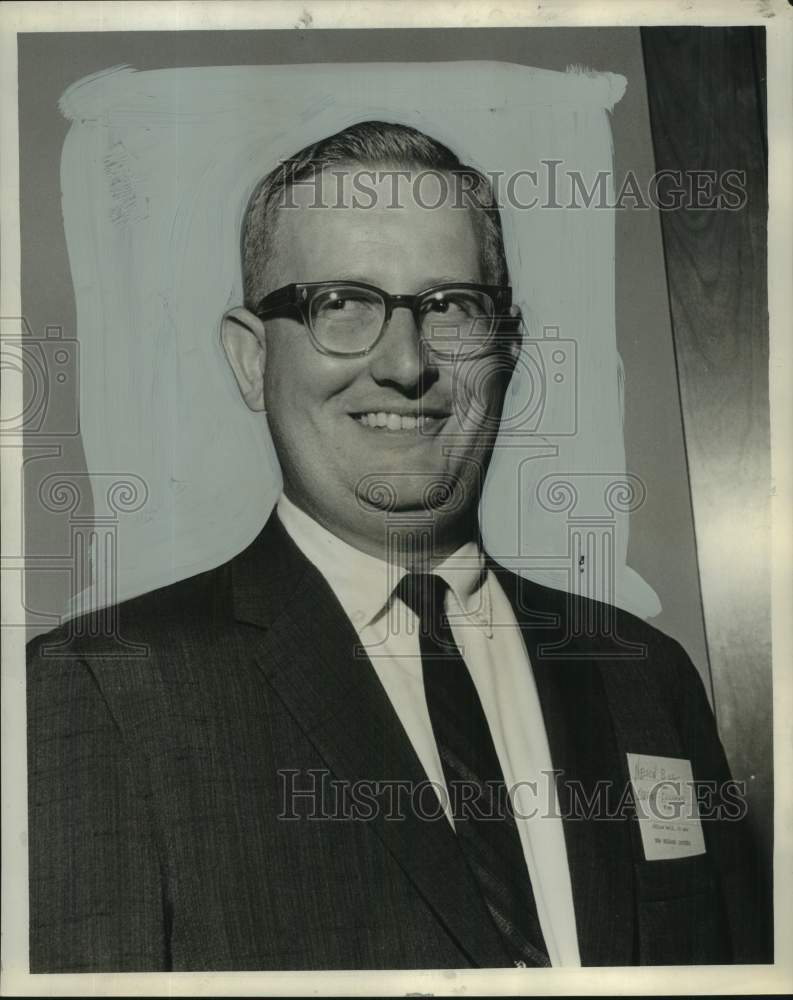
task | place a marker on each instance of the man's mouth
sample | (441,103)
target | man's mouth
(388,421)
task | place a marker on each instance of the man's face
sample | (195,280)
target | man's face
(321,409)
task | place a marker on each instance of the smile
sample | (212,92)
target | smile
(394,421)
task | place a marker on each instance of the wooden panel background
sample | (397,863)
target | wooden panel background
(707,107)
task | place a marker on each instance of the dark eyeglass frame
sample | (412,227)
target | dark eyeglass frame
(297,297)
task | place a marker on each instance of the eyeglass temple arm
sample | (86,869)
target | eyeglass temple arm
(276,300)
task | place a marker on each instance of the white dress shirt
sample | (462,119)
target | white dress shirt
(483,625)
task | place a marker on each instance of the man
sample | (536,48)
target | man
(361,743)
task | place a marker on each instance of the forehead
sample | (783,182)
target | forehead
(376,221)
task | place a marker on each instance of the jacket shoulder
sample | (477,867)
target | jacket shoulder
(181,607)
(576,613)
(602,634)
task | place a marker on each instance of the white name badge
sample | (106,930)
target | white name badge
(666,805)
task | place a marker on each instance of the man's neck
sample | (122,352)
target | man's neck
(415,539)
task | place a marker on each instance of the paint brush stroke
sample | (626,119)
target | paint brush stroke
(156,170)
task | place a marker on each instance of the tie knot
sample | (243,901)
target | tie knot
(424,593)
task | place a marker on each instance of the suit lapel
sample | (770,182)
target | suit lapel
(583,747)
(307,655)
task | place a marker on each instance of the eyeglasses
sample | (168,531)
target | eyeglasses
(348,318)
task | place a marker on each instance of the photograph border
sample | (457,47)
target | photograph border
(777,17)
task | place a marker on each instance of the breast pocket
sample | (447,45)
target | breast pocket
(680,913)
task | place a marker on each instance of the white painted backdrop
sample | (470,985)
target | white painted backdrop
(156,171)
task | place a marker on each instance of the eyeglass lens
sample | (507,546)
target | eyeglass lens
(454,322)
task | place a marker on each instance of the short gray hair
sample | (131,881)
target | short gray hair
(370,144)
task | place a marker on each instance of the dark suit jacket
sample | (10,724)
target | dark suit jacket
(163,733)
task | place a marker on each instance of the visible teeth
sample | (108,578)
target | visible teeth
(392,421)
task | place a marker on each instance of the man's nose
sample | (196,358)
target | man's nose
(400,359)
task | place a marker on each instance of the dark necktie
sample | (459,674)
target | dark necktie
(484,823)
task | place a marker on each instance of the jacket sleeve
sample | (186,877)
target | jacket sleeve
(96,902)
(746,895)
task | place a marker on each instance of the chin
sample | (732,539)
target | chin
(424,494)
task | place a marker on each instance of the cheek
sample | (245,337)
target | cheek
(479,389)
(291,378)
(304,392)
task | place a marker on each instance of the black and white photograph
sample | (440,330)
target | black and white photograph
(396,507)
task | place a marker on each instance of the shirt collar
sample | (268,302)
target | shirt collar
(364,584)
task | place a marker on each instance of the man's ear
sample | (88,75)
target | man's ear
(242,336)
